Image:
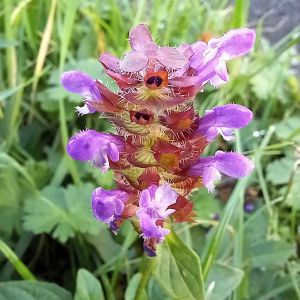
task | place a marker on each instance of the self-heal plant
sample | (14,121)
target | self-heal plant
(156,153)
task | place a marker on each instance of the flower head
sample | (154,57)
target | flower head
(108,206)
(156,153)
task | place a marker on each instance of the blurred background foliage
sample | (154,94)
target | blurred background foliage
(47,229)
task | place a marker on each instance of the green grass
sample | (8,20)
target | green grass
(39,40)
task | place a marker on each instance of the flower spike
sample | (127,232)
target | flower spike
(156,151)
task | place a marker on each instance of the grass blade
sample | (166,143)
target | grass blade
(228,211)
(43,51)
(13,258)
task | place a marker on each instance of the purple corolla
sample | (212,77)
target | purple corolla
(96,147)
(154,203)
(108,206)
(230,163)
(223,119)
(80,83)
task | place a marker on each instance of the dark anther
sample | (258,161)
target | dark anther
(155,79)
(139,115)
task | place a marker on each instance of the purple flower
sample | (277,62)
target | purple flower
(144,49)
(249,207)
(80,83)
(230,163)
(209,61)
(223,119)
(154,203)
(94,146)
(108,206)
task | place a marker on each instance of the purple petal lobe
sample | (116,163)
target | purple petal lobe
(198,49)
(149,251)
(77,82)
(234,164)
(151,49)
(94,146)
(154,203)
(184,81)
(139,37)
(110,61)
(80,83)
(222,119)
(172,58)
(233,44)
(134,61)
(221,70)
(108,205)
(148,225)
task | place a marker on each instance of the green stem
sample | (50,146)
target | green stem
(19,265)
(145,277)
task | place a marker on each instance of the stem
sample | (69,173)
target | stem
(145,277)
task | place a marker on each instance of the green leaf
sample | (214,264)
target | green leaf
(270,253)
(133,286)
(279,171)
(88,286)
(10,201)
(226,279)
(155,292)
(105,244)
(206,205)
(63,211)
(32,290)
(287,127)
(178,270)
(5,43)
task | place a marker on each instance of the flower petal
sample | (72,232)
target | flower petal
(77,82)
(164,197)
(198,49)
(110,61)
(148,225)
(134,61)
(145,199)
(221,70)
(107,205)
(222,119)
(139,37)
(210,174)
(230,163)
(85,109)
(172,58)
(150,252)
(233,164)
(94,146)
(233,44)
